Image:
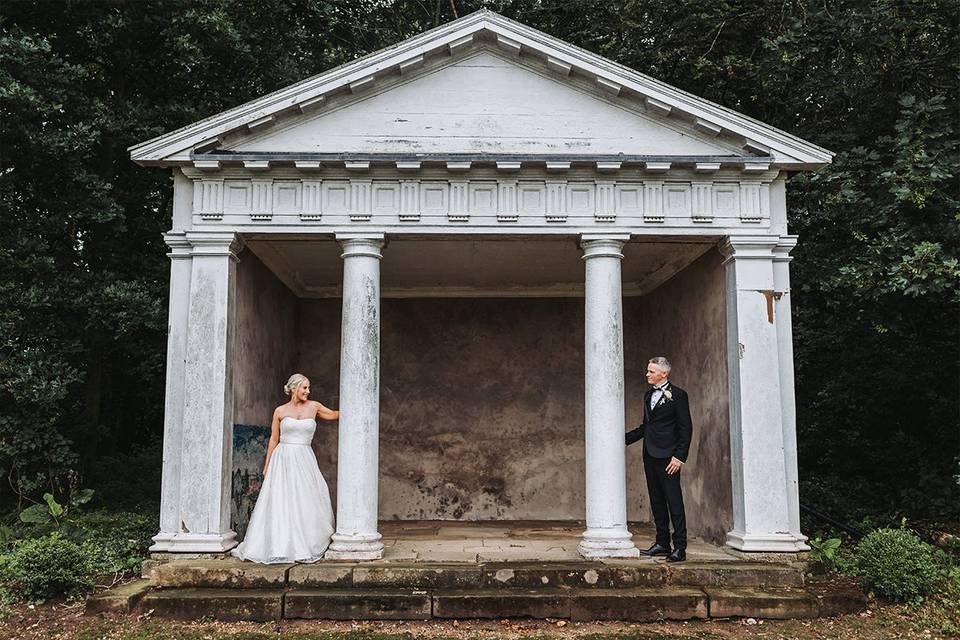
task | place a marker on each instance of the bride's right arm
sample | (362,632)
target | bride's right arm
(274,440)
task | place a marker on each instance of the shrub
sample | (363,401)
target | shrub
(46,567)
(116,542)
(896,564)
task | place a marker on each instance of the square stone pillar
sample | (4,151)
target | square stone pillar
(756,351)
(356,537)
(606,535)
(783,318)
(198,446)
(181,260)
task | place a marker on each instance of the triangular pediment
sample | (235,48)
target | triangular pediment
(482,84)
(484,103)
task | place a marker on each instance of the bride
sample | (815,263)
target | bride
(292,520)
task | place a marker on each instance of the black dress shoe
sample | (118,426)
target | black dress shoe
(656,550)
(678,555)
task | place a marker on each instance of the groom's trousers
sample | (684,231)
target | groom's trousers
(666,501)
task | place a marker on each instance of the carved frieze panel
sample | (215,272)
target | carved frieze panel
(552,201)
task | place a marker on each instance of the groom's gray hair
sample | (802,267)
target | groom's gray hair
(661,362)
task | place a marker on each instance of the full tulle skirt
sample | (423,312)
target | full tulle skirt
(293,518)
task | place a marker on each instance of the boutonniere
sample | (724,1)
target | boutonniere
(667,395)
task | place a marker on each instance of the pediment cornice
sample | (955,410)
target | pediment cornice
(486,29)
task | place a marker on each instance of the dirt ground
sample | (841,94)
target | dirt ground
(66,621)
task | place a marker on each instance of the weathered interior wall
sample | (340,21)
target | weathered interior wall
(482,399)
(481,405)
(265,351)
(684,319)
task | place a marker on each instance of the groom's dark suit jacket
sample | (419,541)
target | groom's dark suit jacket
(666,430)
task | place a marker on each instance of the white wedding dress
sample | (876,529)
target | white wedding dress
(293,519)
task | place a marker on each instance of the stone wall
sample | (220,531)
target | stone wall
(482,399)
(265,348)
(684,320)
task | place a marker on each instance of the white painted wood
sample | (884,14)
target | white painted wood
(761,500)
(485,103)
(356,537)
(606,535)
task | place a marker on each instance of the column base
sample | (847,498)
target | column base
(607,543)
(194,542)
(762,542)
(360,546)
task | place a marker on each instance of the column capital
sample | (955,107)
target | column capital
(781,252)
(218,243)
(606,245)
(748,247)
(361,244)
(179,246)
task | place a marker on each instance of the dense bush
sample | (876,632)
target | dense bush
(116,542)
(896,564)
(44,567)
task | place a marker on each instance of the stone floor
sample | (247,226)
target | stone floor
(509,541)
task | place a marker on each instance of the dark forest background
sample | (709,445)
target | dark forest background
(83,272)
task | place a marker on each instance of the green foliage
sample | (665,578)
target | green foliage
(830,555)
(896,564)
(115,541)
(52,512)
(45,567)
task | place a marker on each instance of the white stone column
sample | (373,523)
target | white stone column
(206,433)
(761,502)
(356,537)
(784,321)
(181,259)
(606,535)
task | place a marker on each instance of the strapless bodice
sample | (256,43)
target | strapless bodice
(297,430)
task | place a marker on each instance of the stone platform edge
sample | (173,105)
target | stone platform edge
(638,604)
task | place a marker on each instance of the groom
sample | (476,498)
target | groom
(666,432)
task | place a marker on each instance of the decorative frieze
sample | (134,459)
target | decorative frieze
(459,210)
(507,209)
(360,205)
(702,205)
(208,199)
(261,202)
(505,199)
(750,206)
(653,201)
(409,201)
(556,200)
(312,198)
(336,196)
(606,208)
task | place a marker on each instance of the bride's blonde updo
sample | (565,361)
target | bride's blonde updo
(293,383)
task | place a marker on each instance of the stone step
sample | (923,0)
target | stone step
(636,604)
(234,574)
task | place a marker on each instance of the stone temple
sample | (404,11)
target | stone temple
(471,242)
